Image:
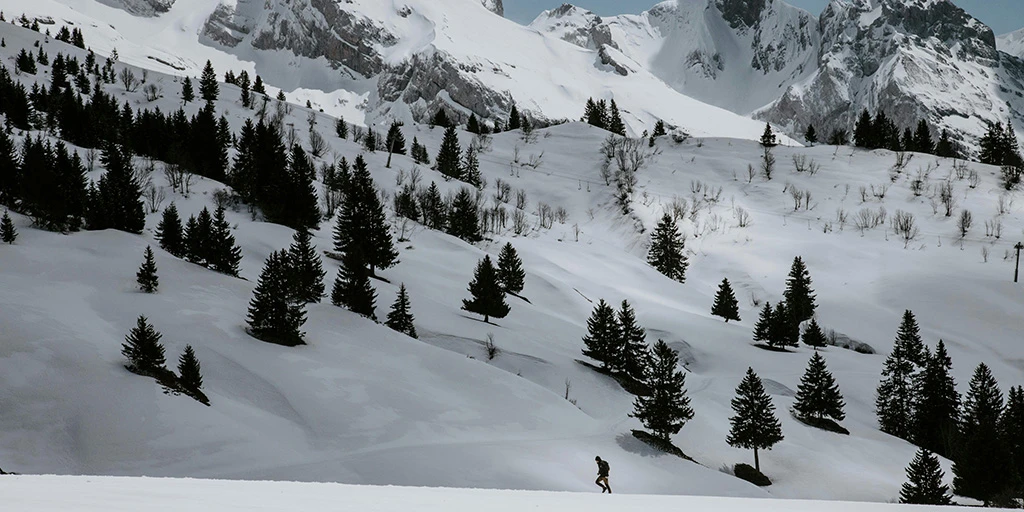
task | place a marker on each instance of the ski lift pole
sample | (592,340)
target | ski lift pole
(1016,268)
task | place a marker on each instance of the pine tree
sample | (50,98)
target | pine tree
(813,336)
(909,335)
(937,404)
(190,376)
(258,87)
(307,271)
(924,481)
(116,202)
(980,467)
(783,330)
(763,327)
(400,318)
(244,83)
(726,305)
(471,167)
(208,87)
(945,147)
(464,218)
(352,289)
(593,114)
(511,276)
(603,335)
(768,138)
(667,408)
(799,295)
(473,125)
(419,153)
(811,135)
(362,226)
(10,168)
(449,157)
(667,250)
(441,119)
(818,395)
(187,94)
(615,124)
(199,238)
(143,350)
(863,132)
(224,254)
(7,232)
(515,120)
(168,232)
(633,355)
(370,140)
(394,142)
(895,397)
(923,138)
(754,425)
(659,129)
(146,276)
(274,315)
(341,128)
(435,211)
(488,299)
(1011,424)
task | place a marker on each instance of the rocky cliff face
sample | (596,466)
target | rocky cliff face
(141,7)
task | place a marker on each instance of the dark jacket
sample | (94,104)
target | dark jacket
(602,468)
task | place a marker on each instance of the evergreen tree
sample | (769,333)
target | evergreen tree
(992,151)
(895,397)
(352,289)
(116,202)
(511,276)
(190,376)
(863,132)
(615,124)
(923,138)
(441,119)
(818,395)
(464,218)
(394,142)
(400,318)
(813,336)
(726,305)
(937,404)
(168,232)
(10,168)
(946,148)
(301,201)
(435,211)
(811,135)
(980,467)
(143,350)
(244,83)
(341,128)
(909,335)
(488,299)
(146,276)
(783,330)
(224,255)
(667,250)
(471,168)
(633,355)
(924,481)
(515,120)
(659,129)
(307,271)
(208,87)
(593,114)
(1011,424)
(199,238)
(768,138)
(667,408)
(370,140)
(763,327)
(754,425)
(362,226)
(7,232)
(473,125)
(274,315)
(187,94)
(449,157)
(799,295)
(419,153)
(258,87)
(603,335)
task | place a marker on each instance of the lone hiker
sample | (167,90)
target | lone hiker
(602,475)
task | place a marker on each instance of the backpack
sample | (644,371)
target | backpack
(604,467)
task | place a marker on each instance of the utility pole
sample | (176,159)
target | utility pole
(1016,269)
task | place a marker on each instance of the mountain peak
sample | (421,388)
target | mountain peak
(742,13)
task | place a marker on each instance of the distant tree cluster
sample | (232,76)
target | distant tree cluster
(145,356)
(779,327)
(605,115)
(491,283)
(204,240)
(881,132)
(290,279)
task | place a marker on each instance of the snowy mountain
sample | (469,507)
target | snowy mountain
(1012,43)
(362,404)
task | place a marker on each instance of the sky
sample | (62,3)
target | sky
(1002,15)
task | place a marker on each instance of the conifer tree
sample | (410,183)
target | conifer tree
(937,404)
(515,120)
(146,276)
(463,217)
(169,232)
(258,87)
(980,467)
(435,212)
(370,140)
(923,138)
(199,238)
(208,87)
(811,135)
(471,167)
(400,317)
(341,128)
(813,336)
(593,114)
(909,335)
(301,200)
(945,147)
(488,299)
(818,395)
(449,157)
(726,305)
(441,119)
(894,402)
(394,142)
(116,202)
(763,327)
(7,232)
(143,350)
(863,131)
(1011,424)
(924,481)
(224,254)
(187,94)
(419,153)
(799,295)
(667,250)
(362,226)
(274,315)
(190,375)
(633,355)
(473,125)
(667,408)
(603,335)
(307,271)
(511,276)
(245,85)
(10,168)
(615,124)
(754,426)
(783,330)
(768,138)
(352,289)
(659,129)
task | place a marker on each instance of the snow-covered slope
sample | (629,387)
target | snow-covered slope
(1012,43)
(50,494)
(362,404)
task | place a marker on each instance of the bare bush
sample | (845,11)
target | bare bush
(1010,176)
(767,163)
(973,179)
(984,254)
(521,199)
(964,222)
(751,172)
(155,197)
(994,228)
(152,92)
(803,164)
(317,144)
(867,218)
(902,160)
(946,197)
(519,224)
(503,191)
(1004,204)
(880,191)
(128,79)
(797,195)
(917,184)
(960,169)
(742,217)
(904,225)
(677,209)
(490,347)
(841,218)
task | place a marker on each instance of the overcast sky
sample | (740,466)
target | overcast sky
(1002,15)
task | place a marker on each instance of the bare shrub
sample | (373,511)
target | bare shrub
(742,217)
(973,179)
(751,173)
(917,184)
(984,254)
(841,218)
(880,191)
(561,215)
(503,191)
(521,199)
(797,195)
(904,225)
(317,144)
(519,224)
(964,222)
(960,169)
(128,79)
(946,197)
(767,163)
(155,197)
(152,92)
(1004,204)
(490,347)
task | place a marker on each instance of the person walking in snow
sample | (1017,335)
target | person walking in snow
(602,475)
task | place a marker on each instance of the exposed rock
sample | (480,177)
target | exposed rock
(141,7)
